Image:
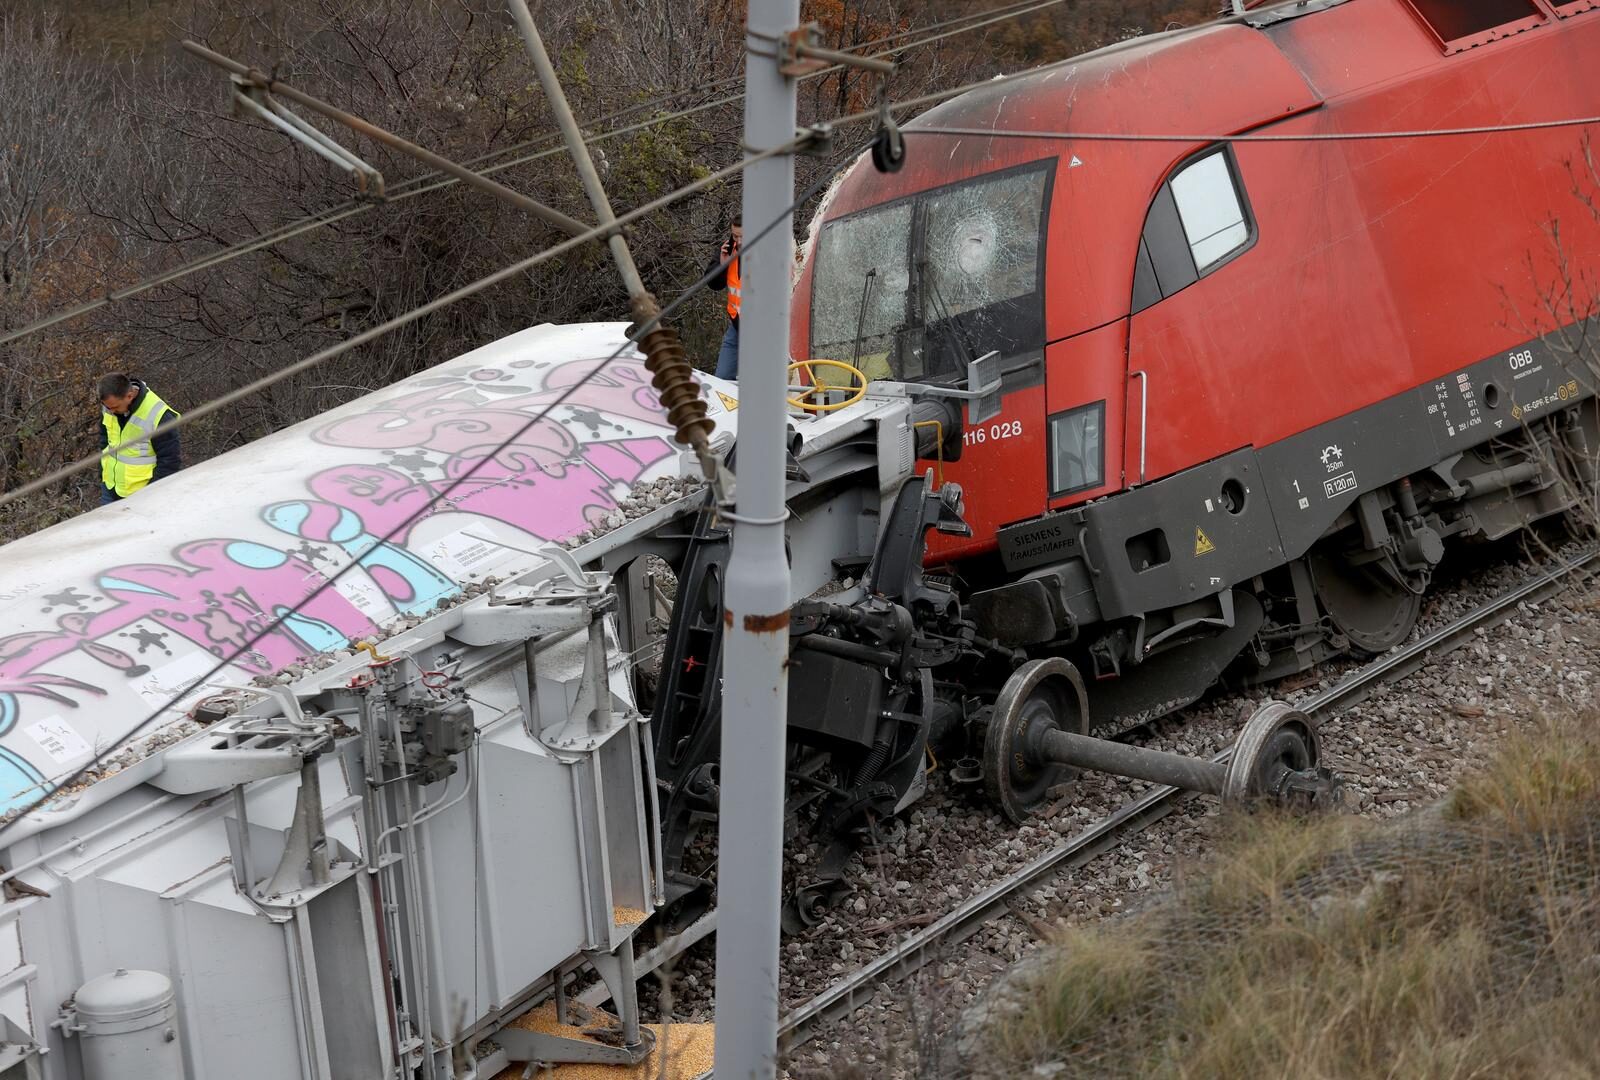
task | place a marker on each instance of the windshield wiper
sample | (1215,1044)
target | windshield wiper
(958,338)
(868,281)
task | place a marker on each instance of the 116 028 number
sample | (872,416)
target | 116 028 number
(1001,429)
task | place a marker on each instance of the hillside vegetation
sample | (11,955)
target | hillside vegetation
(1459,944)
(120,158)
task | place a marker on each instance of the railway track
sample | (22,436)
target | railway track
(931,943)
(924,946)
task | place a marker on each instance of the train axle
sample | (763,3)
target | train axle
(1029,750)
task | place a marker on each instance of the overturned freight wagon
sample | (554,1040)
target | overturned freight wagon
(337,755)
(327,757)
(301,858)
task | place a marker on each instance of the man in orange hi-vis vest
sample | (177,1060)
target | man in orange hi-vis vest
(728,355)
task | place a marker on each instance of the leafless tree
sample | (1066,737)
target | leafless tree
(1565,316)
(62,172)
(115,167)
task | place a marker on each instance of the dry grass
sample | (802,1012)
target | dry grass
(1538,782)
(1460,945)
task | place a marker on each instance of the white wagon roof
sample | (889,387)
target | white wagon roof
(121,612)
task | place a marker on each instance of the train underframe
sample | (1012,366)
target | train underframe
(896,666)
(319,837)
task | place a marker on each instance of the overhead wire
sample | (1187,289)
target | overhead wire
(510,271)
(505,273)
(356,206)
(429,182)
(1249,137)
(419,185)
(432,181)
(637,333)
(90,461)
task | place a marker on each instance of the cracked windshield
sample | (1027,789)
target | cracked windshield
(973,287)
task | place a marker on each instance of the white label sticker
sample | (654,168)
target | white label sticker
(465,552)
(170,682)
(58,738)
(1339,485)
(366,597)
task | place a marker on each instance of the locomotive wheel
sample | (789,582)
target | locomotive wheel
(1278,754)
(1368,607)
(805,908)
(1041,696)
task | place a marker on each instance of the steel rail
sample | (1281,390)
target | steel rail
(856,989)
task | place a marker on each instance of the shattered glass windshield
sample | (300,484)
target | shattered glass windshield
(982,243)
(858,298)
(918,289)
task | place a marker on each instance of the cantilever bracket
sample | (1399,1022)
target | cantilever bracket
(258,102)
(816,140)
(799,53)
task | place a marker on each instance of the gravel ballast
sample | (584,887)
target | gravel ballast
(1398,750)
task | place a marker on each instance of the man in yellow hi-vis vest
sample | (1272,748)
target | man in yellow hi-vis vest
(136,450)
(728,278)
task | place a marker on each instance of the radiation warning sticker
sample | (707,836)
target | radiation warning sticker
(728,401)
(1202,542)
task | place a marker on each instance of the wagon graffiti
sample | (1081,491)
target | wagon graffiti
(225,597)
(68,597)
(549,497)
(146,640)
(451,450)
(458,447)
(223,594)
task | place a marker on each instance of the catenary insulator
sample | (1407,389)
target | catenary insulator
(673,378)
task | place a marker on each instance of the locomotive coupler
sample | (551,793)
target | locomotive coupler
(1029,749)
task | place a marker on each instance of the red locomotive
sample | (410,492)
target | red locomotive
(1266,346)
(1251,385)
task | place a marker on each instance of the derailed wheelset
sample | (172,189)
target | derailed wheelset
(1038,734)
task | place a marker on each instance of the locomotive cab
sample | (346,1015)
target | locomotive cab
(1032,248)
(1233,437)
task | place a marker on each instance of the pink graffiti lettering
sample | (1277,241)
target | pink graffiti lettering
(540,477)
(213,600)
(454,418)
(553,479)
(221,604)
(553,500)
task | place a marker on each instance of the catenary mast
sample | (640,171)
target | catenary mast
(756,641)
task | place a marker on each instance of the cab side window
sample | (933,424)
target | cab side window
(1198,221)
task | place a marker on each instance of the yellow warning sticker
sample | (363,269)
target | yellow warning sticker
(1202,542)
(729,403)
